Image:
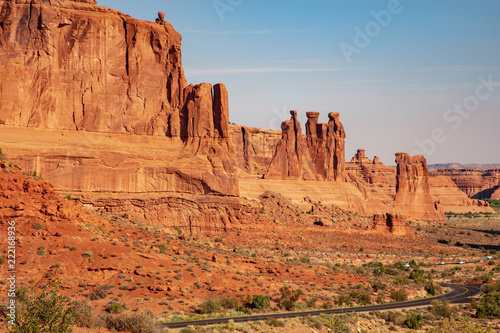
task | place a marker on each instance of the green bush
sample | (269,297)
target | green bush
(261,302)
(210,306)
(399,295)
(441,309)
(335,324)
(115,307)
(488,306)
(430,289)
(289,298)
(37,226)
(48,312)
(414,321)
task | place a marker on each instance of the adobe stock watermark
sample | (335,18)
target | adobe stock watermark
(280,115)
(455,115)
(363,37)
(11,273)
(224,6)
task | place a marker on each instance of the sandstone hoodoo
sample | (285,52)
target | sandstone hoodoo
(291,159)
(326,143)
(318,156)
(412,191)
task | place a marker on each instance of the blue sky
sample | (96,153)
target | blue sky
(412,81)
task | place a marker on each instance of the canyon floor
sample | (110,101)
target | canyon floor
(114,260)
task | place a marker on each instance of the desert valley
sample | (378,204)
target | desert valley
(133,195)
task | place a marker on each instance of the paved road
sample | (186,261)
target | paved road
(459,294)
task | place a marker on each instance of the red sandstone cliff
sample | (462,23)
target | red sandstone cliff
(413,196)
(72,65)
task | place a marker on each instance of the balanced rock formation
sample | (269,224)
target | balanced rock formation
(413,196)
(291,159)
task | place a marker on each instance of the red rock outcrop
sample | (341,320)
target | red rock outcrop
(477,184)
(326,144)
(360,157)
(413,196)
(318,156)
(394,223)
(291,159)
(371,172)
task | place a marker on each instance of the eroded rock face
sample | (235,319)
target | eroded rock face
(291,159)
(69,65)
(254,148)
(413,196)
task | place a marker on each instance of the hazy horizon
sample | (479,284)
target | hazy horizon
(416,77)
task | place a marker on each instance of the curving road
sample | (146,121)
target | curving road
(459,294)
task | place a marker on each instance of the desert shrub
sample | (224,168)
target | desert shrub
(417,275)
(83,314)
(229,303)
(335,324)
(414,321)
(289,298)
(99,292)
(37,226)
(143,322)
(210,306)
(460,324)
(488,306)
(115,307)
(441,309)
(48,312)
(3,258)
(41,251)
(275,322)
(261,302)
(2,155)
(360,297)
(376,286)
(399,295)
(430,289)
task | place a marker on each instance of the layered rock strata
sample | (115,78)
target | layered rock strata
(477,184)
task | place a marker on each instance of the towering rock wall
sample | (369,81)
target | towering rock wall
(413,196)
(72,65)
